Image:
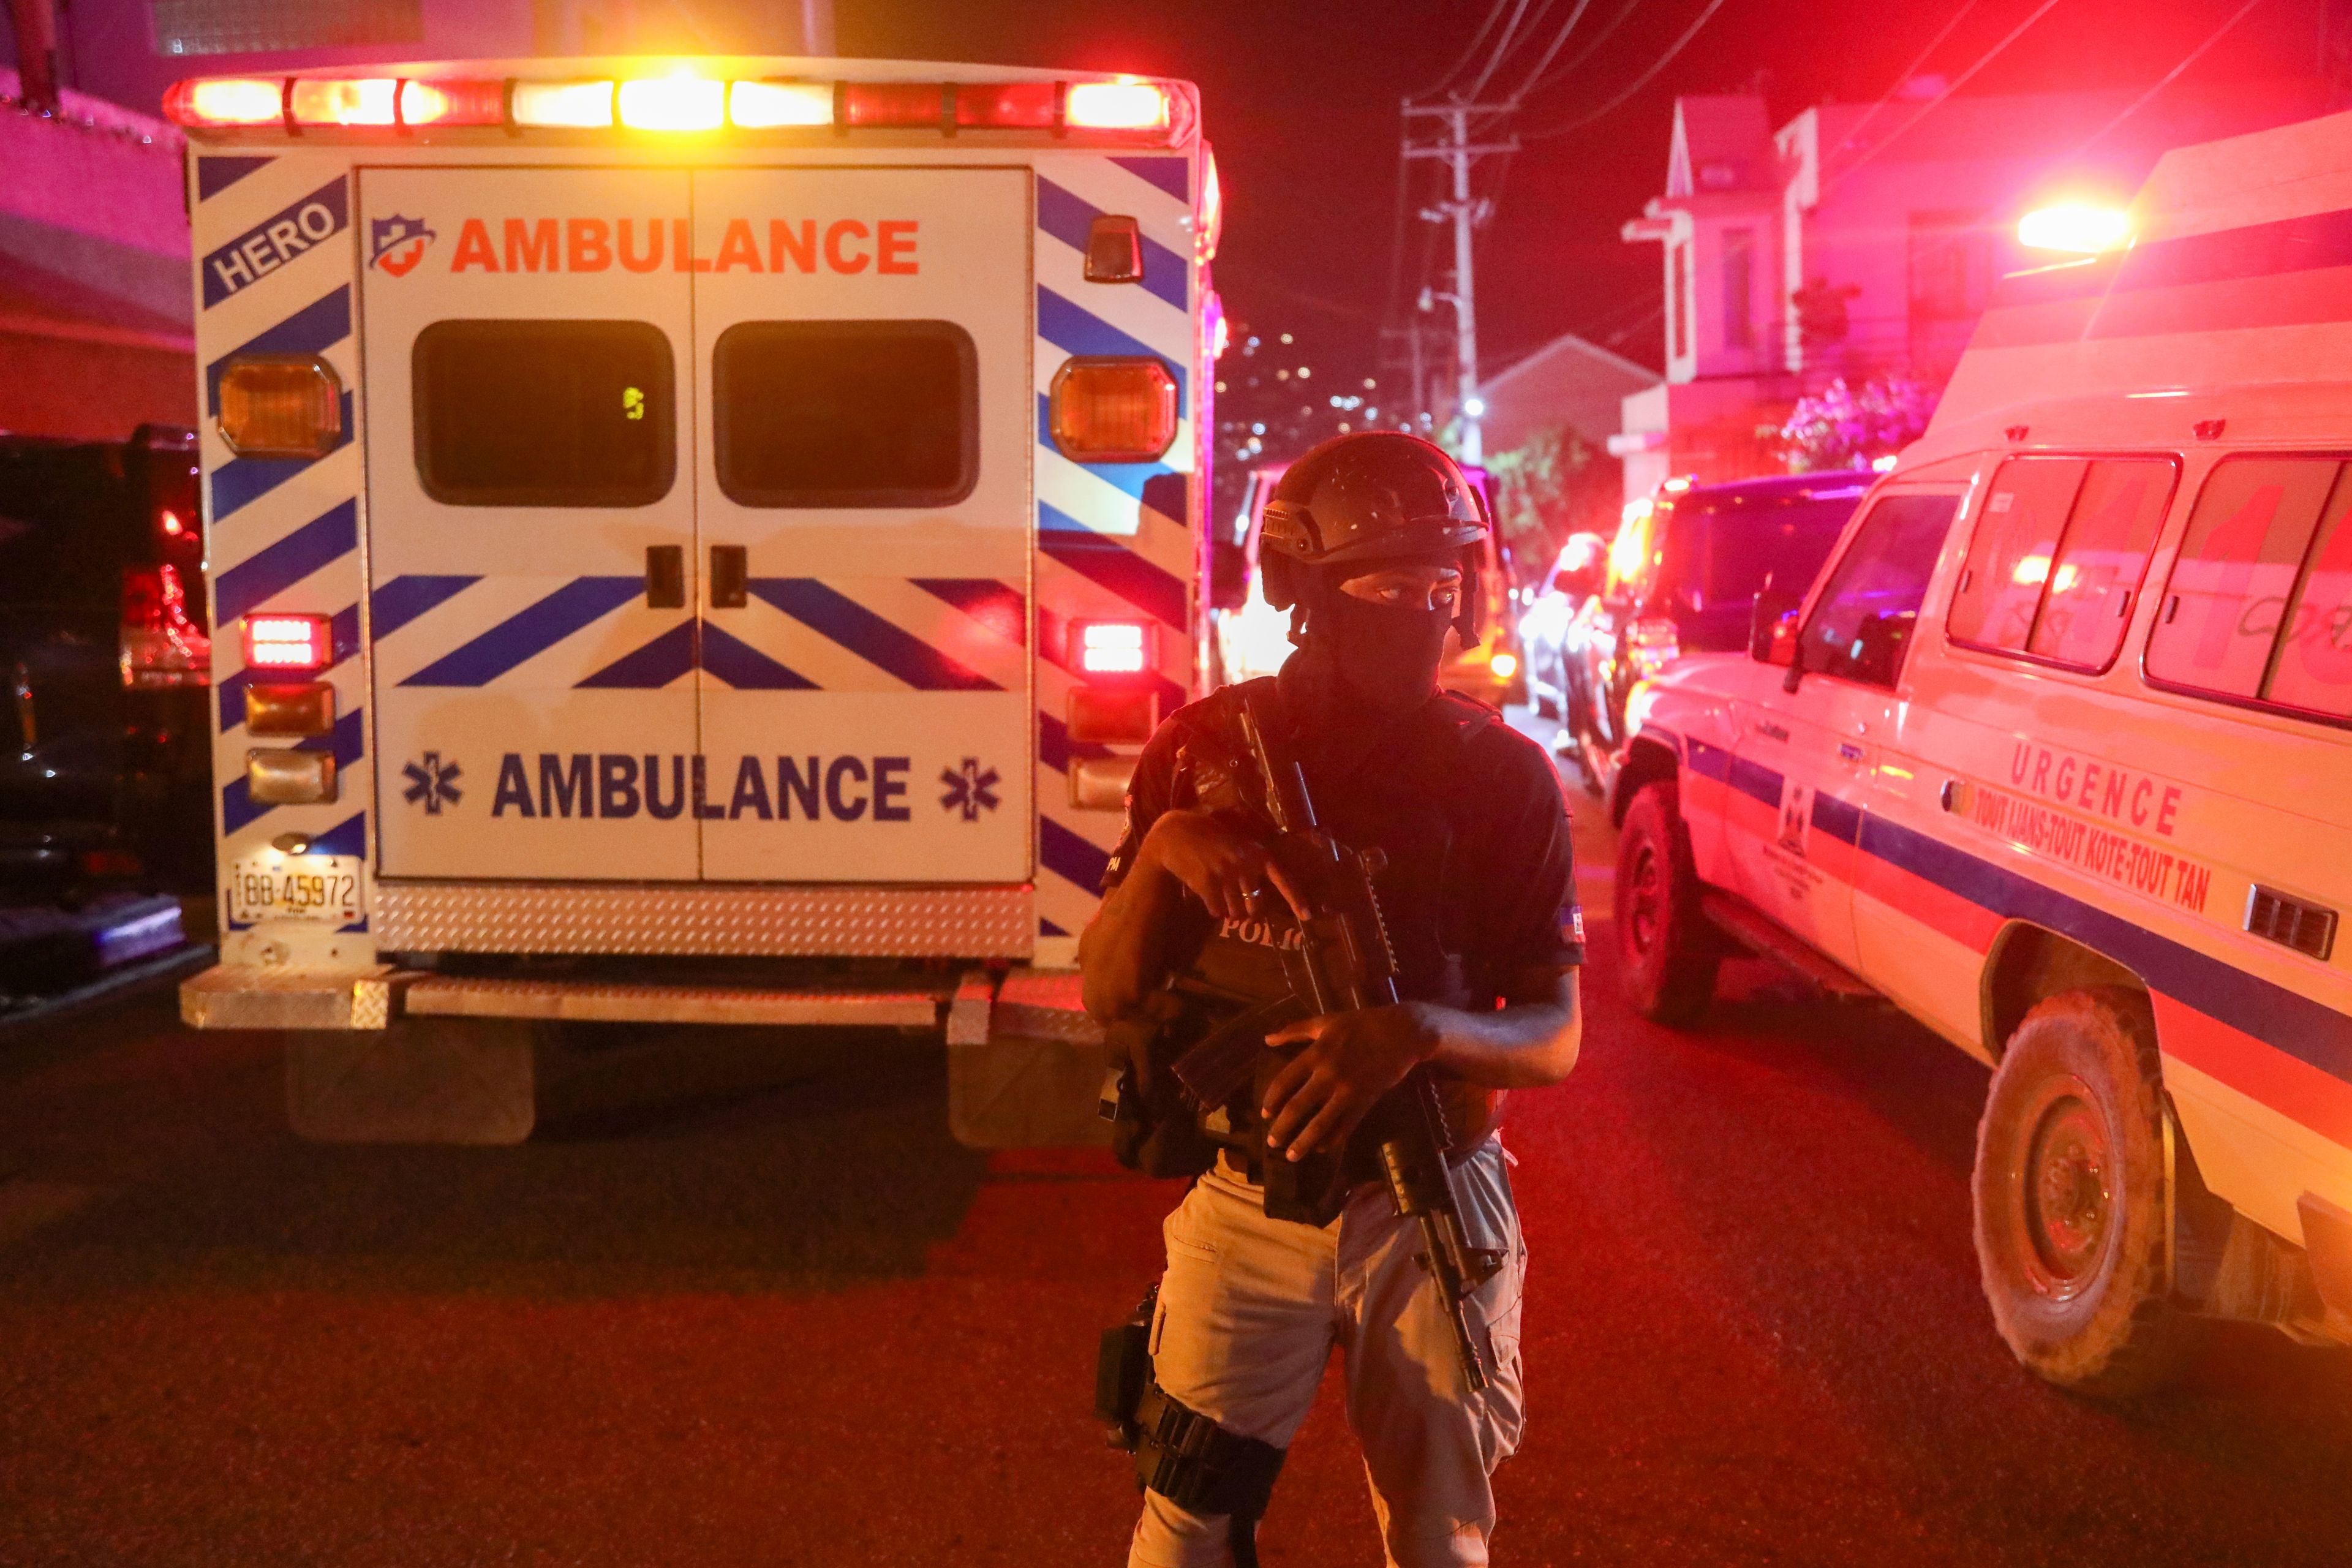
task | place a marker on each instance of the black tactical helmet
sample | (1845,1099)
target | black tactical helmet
(1373,495)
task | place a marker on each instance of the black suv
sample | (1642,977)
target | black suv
(1683,579)
(104,660)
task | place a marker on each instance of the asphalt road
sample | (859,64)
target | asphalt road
(742,1301)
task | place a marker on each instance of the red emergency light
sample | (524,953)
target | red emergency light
(1110,648)
(683,100)
(289,642)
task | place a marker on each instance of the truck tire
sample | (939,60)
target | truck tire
(2071,1210)
(1667,953)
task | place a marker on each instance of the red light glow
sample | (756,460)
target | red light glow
(287,642)
(1110,648)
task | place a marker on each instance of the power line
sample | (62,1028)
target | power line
(1591,45)
(1907,73)
(1495,61)
(1834,181)
(1558,39)
(2168,77)
(1639,82)
(1469,52)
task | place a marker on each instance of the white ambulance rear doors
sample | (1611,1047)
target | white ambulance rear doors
(864,424)
(698,523)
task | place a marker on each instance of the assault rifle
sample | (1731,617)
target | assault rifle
(1343,963)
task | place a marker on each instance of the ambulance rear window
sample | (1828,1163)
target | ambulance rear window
(846,414)
(2260,605)
(544,413)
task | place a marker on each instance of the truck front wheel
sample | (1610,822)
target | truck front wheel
(2072,1207)
(1667,953)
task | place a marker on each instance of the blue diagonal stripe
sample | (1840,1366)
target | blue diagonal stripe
(312,329)
(1129,476)
(1076,330)
(348,743)
(652,667)
(1057,751)
(215,175)
(1112,566)
(870,636)
(530,631)
(329,537)
(997,605)
(1172,174)
(1069,217)
(1066,854)
(745,667)
(242,480)
(406,597)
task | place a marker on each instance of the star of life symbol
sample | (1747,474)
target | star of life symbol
(972,789)
(432,782)
(398,244)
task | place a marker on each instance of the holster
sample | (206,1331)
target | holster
(1154,1128)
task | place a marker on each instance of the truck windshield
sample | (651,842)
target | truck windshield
(1734,549)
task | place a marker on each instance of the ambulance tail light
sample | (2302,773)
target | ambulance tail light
(1120,106)
(1113,714)
(1651,645)
(354,100)
(288,645)
(274,777)
(227,100)
(161,645)
(765,105)
(1113,410)
(563,105)
(281,405)
(453,104)
(680,102)
(1111,647)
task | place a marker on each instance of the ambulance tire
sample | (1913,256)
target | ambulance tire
(1667,952)
(2070,1206)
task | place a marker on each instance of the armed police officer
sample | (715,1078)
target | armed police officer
(1465,951)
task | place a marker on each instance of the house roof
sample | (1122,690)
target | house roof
(1721,142)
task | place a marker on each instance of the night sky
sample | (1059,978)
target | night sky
(1301,96)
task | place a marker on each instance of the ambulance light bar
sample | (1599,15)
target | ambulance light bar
(288,643)
(2075,228)
(1110,648)
(1146,111)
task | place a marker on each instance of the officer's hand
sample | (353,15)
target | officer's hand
(1350,1060)
(1223,866)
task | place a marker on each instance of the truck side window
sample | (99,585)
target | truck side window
(2008,560)
(2240,563)
(2312,669)
(1862,624)
(845,414)
(2059,551)
(544,413)
(2097,571)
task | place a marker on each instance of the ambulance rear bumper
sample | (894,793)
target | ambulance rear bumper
(242,997)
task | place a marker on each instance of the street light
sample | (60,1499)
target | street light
(2077,227)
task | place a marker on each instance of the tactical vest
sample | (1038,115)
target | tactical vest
(1402,799)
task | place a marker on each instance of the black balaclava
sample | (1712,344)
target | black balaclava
(1362,665)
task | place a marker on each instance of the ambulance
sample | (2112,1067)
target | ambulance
(690,541)
(2056,754)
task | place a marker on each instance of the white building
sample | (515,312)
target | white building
(1861,240)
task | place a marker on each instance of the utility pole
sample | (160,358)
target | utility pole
(1467,214)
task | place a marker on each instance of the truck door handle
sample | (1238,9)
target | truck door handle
(1849,751)
(730,571)
(665,576)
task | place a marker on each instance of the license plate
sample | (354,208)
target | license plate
(275,887)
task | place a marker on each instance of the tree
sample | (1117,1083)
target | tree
(1844,427)
(1554,484)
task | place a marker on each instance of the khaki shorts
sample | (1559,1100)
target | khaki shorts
(1250,1309)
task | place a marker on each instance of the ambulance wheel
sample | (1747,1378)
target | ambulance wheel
(1667,953)
(2071,1210)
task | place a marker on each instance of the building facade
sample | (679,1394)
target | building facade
(1862,242)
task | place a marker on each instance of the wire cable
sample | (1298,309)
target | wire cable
(1503,48)
(1469,53)
(1591,45)
(1639,82)
(2168,77)
(1831,182)
(1558,40)
(1902,79)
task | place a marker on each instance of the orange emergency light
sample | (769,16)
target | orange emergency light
(1113,409)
